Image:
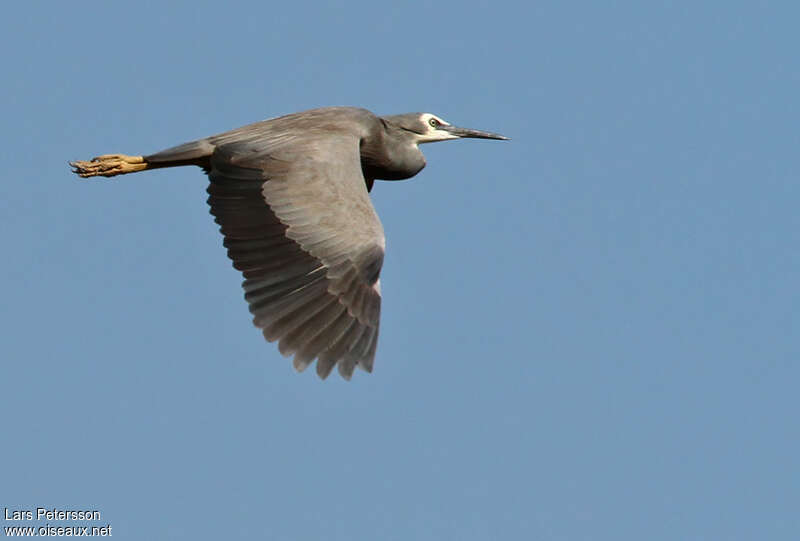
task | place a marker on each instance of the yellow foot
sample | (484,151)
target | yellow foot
(109,165)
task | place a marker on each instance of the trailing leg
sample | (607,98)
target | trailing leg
(109,165)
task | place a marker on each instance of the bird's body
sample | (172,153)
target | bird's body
(291,197)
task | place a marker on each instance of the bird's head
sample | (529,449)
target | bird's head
(428,128)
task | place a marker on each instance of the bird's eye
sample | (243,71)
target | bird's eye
(434,123)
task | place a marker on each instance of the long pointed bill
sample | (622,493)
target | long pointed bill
(464,132)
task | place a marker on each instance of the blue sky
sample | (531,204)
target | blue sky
(588,332)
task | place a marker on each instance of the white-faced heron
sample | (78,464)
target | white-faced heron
(291,197)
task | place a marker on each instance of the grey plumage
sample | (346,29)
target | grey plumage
(290,195)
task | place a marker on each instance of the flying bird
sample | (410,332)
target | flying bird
(291,197)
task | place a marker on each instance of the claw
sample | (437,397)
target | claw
(109,165)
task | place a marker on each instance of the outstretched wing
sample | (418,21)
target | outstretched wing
(299,224)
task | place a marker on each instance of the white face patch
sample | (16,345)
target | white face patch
(434,133)
(426,118)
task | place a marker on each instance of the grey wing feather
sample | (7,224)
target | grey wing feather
(299,224)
